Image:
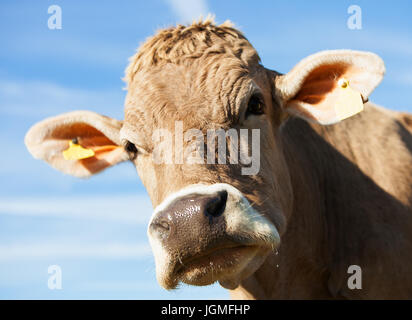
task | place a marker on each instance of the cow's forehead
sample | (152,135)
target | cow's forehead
(182,44)
(201,98)
(192,74)
(195,91)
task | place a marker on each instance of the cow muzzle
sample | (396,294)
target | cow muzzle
(208,233)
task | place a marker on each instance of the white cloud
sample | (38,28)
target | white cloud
(18,251)
(390,42)
(40,99)
(135,209)
(134,286)
(91,50)
(188,10)
(404,78)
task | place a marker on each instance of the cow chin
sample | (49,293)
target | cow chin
(228,254)
(227,266)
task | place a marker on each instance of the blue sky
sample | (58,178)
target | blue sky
(96,229)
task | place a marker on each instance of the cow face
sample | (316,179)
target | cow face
(216,216)
(212,220)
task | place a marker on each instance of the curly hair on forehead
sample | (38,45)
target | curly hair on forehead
(180,44)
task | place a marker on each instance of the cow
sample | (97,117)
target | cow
(331,194)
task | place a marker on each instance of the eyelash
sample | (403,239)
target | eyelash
(255,106)
(131,149)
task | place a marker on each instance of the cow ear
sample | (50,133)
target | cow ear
(330,86)
(79,143)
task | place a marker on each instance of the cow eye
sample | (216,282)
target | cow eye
(131,149)
(255,106)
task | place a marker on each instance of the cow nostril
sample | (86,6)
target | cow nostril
(216,206)
(162,226)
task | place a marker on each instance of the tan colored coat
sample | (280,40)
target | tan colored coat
(334,193)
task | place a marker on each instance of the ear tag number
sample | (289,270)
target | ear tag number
(77,152)
(349,102)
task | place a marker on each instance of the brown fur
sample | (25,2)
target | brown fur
(339,195)
(351,182)
(352,206)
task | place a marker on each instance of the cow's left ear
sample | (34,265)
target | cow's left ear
(330,86)
(79,143)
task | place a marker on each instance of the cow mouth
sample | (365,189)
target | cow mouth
(208,267)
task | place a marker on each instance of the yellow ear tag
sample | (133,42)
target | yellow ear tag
(77,152)
(349,102)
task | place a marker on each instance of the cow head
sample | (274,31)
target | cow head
(213,221)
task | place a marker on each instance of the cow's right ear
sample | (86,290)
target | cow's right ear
(79,143)
(330,86)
